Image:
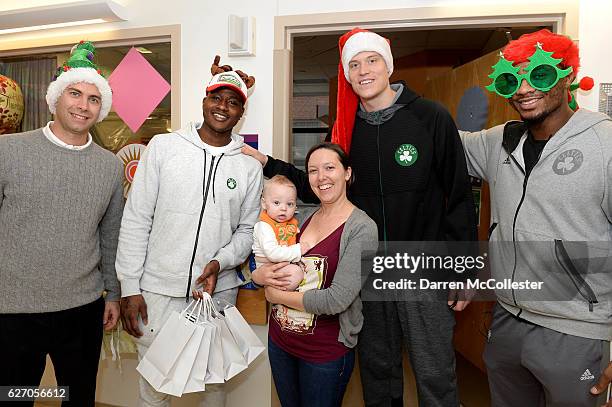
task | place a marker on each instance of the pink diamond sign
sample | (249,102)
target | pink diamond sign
(137,89)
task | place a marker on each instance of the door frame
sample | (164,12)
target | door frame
(562,16)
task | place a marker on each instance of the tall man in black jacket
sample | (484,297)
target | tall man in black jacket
(411,178)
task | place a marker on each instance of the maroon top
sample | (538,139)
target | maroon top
(313,338)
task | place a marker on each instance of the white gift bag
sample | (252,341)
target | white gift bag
(179,374)
(197,377)
(171,339)
(233,361)
(168,361)
(247,341)
(214,369)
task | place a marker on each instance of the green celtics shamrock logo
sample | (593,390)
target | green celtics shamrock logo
(231,183)
(406,155)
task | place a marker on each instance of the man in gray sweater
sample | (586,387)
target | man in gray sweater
(61,201)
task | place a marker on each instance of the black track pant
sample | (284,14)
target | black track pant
(425,329)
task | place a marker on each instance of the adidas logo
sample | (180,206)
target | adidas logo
(587,375)
(507,160)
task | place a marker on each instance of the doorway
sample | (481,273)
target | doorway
(561,17)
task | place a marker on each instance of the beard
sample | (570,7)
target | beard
(553,102)
(532,121)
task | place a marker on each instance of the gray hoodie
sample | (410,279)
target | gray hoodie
(187,207)
(554,224)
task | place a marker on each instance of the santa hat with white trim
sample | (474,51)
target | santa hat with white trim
(80,68)
(352,43)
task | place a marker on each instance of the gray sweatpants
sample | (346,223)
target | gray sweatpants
(159,308)
(529,365)
(426,330)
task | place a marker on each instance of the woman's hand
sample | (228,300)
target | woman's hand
(292,299)
(248,150)
(272,295)
(271,275)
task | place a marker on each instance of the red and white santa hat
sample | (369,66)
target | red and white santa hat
(350,44)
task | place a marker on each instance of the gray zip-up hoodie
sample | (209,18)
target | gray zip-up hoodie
(185,208)
(554,224)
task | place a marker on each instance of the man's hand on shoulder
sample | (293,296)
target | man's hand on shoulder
(131,307)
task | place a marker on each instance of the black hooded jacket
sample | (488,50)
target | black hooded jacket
(428,200)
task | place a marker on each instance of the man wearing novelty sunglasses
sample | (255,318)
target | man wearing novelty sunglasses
(550,177)
(536,90)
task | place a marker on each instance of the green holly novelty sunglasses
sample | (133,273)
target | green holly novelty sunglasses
(542,74)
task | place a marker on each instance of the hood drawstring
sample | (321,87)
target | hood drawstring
(215,175)
(205,187)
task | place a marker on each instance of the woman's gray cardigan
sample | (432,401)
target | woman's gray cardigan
(342,296)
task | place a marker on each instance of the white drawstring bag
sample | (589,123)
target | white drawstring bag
(169,360)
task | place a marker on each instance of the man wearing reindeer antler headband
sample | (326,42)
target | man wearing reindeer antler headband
(551,221)
(189,219)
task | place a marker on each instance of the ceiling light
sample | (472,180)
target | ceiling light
(60,15)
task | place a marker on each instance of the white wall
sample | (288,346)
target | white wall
(595,51)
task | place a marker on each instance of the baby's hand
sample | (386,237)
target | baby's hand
(305,247)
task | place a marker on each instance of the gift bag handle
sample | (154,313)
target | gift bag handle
(208,307)
(221,304)
(214,307)
(192,311)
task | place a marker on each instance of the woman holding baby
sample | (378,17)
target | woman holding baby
(313,330)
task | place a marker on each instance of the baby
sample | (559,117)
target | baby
(274,236)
